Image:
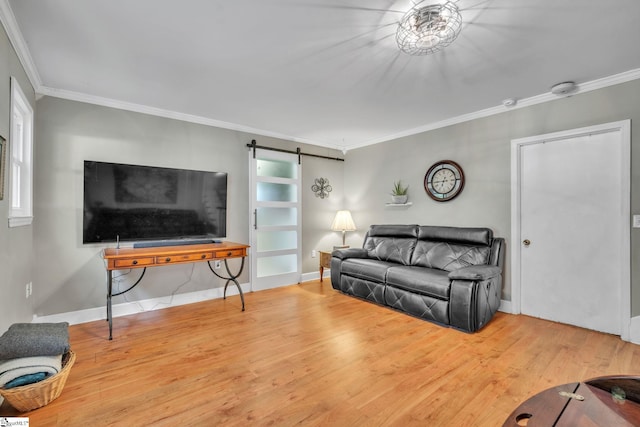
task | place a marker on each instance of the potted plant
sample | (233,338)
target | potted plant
(399,194)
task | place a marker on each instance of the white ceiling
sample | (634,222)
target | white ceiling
(326,72)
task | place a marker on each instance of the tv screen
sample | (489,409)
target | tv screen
(136,203)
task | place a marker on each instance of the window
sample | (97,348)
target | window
(21,143)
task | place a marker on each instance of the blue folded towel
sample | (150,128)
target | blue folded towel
(26,380)
(34,339)
(16,368)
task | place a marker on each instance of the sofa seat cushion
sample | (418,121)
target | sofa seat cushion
(420,280)
(367,269)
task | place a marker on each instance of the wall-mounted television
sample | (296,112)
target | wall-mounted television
(125,202)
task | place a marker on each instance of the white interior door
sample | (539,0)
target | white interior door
(276,229)
(572,242)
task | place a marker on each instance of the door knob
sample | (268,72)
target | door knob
(526,242)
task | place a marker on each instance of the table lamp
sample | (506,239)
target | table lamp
(343,222)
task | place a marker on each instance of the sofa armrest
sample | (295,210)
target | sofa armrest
(472,303)
(337,257)
(475,272)
(497,252)
(350,253)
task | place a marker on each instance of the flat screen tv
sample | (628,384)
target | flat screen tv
(144,203)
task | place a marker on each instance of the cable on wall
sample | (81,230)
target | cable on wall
(159,303)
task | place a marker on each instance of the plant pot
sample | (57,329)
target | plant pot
(399,200)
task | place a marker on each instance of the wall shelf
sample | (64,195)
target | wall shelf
(393,205)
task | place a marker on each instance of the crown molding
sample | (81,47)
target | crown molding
(522,103)
(10,24)
(169,114)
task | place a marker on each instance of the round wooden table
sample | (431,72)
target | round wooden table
(603,401)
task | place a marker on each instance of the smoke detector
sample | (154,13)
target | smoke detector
(563,88)
(509,102)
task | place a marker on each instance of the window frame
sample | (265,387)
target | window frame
(21,158)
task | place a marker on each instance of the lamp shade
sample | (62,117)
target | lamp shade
(343,222)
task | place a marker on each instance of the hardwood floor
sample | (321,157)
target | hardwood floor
(308,355)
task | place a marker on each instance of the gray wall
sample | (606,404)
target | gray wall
(482,148)
(319,213)
(16,249)
(70,276)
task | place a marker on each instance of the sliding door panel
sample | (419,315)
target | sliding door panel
(276,230)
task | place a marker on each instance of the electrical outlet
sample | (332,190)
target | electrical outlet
(216,265)
(313,253)
(27,290)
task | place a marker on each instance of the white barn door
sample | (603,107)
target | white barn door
(276,240)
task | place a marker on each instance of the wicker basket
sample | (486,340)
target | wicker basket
(32,396)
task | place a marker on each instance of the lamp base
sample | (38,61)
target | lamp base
(340,247)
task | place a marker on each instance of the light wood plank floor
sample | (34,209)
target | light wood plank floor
(308,355)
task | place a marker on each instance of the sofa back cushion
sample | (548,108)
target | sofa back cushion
(392,243)
(451,248)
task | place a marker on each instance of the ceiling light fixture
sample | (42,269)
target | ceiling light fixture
(428,29)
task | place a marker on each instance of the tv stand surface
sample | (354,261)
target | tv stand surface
(185,242)
(127,258)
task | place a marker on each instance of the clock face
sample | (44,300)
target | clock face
(444,180)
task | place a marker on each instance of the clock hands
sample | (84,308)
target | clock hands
(443,181)
(442,187)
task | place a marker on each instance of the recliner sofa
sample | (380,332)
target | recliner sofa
(448,275)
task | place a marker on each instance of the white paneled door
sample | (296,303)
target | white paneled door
(276,213)
(572,242)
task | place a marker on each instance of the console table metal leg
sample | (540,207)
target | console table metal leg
(231,278)
(109,309)
(224,295)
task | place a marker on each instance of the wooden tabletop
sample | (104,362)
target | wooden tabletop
(605,401)
(118,258)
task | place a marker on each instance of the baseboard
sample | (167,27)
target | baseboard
(307,277)
(134,307)
(634,330)
(505,306)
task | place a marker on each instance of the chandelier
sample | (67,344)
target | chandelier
(428,29)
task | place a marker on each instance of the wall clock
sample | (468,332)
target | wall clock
(444,180)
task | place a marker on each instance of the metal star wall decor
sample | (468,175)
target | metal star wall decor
(321,188)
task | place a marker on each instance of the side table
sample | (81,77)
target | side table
(325,262)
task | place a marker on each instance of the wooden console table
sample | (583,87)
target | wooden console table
(126,258)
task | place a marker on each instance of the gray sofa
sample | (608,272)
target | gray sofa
(448,275)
